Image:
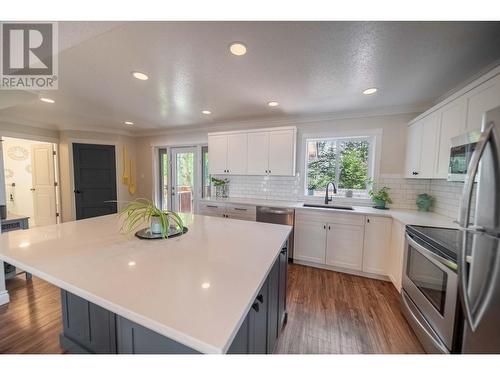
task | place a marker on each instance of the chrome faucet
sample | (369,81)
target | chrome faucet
(327,198)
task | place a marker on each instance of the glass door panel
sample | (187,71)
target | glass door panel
(164,177)
(183,178)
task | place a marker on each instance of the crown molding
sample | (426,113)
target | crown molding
(283,121)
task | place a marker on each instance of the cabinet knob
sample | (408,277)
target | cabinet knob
(329,228)
(415,173)
(260,298)
(368,220)
(324,226)
(283,251)
(255,306)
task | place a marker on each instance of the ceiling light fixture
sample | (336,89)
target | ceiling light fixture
(128,123)
(370,91)
(205,285)
(206,112)
(48,100)
(141,76)
(273,104)
(238,48)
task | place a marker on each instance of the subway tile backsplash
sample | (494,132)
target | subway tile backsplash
(403,191)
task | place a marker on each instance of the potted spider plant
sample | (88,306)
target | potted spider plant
(380,197)
(142,211)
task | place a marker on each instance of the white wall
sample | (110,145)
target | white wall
(392,127)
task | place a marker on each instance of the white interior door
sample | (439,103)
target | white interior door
(44,189)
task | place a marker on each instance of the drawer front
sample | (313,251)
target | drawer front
(334,217)
(240,211)
(211,209)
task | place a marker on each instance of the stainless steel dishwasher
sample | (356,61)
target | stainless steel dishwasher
(278,215)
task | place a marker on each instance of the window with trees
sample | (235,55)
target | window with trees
(344,161)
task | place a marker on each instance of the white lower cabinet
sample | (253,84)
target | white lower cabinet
(377,242)
(343,241)
(344,246)
(310,241)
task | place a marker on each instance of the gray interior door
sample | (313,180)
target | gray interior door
(95,180)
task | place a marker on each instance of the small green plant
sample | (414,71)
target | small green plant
(142,211)
(380,196)
(219,181)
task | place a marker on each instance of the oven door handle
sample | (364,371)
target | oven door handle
(436,259)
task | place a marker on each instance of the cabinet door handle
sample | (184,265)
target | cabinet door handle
(415,173)
(324,226)
(283,251)
(368,221)
(329,228)
(255,306)
(260,298)
(240,209)
(211,206)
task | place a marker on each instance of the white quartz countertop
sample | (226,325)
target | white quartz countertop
(195,289)
(407,217)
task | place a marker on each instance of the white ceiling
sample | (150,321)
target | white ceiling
(309,67)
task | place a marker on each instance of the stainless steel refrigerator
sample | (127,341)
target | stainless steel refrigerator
(479,259)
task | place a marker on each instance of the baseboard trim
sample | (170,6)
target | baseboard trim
(343,270)
(4,297)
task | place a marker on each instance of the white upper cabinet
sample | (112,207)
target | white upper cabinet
(452,125)
(217,146)
(236,153)
(258,153)
(413,149)
(282,153)
(480,100)
(430,137)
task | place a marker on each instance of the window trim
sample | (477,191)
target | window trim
(374,154)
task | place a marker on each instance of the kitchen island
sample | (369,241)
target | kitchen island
(220,288)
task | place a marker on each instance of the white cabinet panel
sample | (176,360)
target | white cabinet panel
(310,241)
(217,148)
(377,243)
(452,125)
(258,153)
(413,149)
(428,154)
(282,153)
(344,246)
(236,153)
(396,254)
(480,100)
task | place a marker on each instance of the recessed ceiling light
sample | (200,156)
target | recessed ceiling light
(24,244)
(128,123)
(206,112)
(370,91)
(48,100)
(238,48)
(273,104)
(131,263)
(141,76)
(205,285)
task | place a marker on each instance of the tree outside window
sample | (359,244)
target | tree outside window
(344,161)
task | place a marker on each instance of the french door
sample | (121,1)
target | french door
(179,178)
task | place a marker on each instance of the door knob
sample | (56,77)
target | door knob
(32,189)
(78,192)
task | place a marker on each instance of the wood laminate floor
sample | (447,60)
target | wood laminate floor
(332,313)
(328,312)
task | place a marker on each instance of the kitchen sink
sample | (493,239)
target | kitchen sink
(333,207)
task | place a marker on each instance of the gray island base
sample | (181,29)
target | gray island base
(89,328)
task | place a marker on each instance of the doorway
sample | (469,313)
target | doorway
(180,178)
(94,169)
(31,180)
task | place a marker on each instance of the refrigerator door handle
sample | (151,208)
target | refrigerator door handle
(489,134)
(483,141)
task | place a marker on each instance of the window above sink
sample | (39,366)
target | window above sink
(347,161)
